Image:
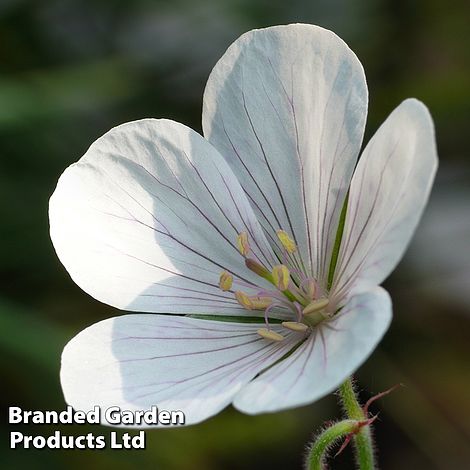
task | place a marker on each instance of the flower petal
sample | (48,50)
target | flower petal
(148,219)
(286,106)
(324,361)
(176,363)
(388,193)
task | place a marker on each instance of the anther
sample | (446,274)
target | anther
(295,326)
(271,335)
(315,306)
(281,277)
(244,300)
(260,303)
(286,241)
(257,268)
(225,281)
(242,243)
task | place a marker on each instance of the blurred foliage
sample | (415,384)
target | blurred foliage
(71,69)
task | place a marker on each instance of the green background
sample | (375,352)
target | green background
(70,70)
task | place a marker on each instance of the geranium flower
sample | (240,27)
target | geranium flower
(238,235)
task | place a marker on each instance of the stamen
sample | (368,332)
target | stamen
(244,300)
(295,326)
(260,303)
(268,334)
(242,243)
(315,306)
(257,268)
(266,312)
(281,277)
(286,241)
(225,281)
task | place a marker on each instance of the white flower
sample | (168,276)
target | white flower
(242,225)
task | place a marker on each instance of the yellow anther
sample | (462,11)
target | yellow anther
(295,326)
(281,277)
(244,300)
(286,241)
(242,243)
(315,306)
(225,281)
(268,334)
(260,303)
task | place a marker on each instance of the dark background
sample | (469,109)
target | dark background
(70,70)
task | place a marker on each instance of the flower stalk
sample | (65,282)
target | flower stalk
(328,438)
(365,457)
(356,427)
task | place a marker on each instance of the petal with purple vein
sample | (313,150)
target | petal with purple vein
(327,358)
(286,106)
(388,193)
(148,218)
(176,363)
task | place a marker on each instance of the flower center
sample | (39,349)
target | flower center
(293,290)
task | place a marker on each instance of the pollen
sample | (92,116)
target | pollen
(315,306)
(286,241)
(242,243)
(244,300)
(281,277)
(225,281)
(295,326)
(271,335)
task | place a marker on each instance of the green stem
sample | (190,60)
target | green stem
(327,438)
(363,439)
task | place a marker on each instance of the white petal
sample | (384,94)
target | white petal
(324,361)
(148,219)
(286,106)
(388,193)
(175,363)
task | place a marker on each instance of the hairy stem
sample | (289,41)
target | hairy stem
(327,438)
(365,457)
